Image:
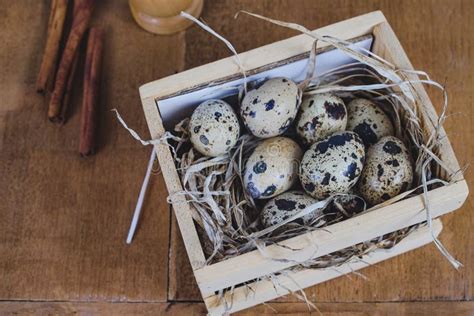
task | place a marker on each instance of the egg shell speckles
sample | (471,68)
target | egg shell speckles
(272,168)
(368,121)
(387,172)
(214,128)
(321,115)
(286,205)
(269,110)
(332,165)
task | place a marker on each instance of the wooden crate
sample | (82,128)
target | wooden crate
(252,265)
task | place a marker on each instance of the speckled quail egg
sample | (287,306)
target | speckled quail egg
(269,110)
(288,204)
(272,168)
(344,206)
(214,128)
(332,165)
(388,171)
(320,115)
(368,121)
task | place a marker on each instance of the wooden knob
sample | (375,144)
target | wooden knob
(163,16)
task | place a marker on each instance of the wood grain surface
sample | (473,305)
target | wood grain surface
(194,309)
(63,219)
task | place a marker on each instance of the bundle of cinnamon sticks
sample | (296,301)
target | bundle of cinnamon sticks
(60,60)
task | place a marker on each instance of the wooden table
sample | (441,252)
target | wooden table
(63,219)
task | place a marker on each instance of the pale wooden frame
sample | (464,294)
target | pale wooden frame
(253,265)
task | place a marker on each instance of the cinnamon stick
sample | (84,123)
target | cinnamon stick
(47,70)
(89,116)
(68,93)
(82,15)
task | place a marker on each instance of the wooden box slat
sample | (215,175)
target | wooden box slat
(264,290)
(354,230)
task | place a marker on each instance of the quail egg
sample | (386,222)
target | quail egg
(214,128)
(269,110)
(368,121)
(286,205)
(321,115)
(344,206)
(388,171)
(332,165)
(272,168)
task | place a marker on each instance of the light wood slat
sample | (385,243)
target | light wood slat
(267,290)
(351,28)
(335,237)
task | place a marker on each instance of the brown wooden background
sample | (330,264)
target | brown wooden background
(63,220)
